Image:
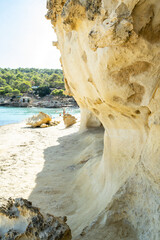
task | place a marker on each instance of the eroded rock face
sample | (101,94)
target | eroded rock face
(20,220)
(111,60)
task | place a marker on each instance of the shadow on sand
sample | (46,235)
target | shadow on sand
(62,162)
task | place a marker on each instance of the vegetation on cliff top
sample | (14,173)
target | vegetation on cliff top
(16,82)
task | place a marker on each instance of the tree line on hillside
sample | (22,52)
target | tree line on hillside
(42,82)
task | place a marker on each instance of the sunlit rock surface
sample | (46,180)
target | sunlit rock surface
(20,220)
(111,60)
(69,120)
(39,120)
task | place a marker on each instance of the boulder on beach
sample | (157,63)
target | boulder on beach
(54,123)
(38,120)
(69,120)
(43,125)
(20,220)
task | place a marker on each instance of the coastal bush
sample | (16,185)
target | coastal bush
(24,86)
(58,84)
(8,89)
(57,92)
(8,94)
(2,92)
(53,79)
(2,82)
(16,92)
(43,91)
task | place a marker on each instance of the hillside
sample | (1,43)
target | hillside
(41,82)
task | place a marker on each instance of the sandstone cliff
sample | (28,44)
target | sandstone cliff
(110,57)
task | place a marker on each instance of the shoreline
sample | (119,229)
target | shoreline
(69,106)
(32,106)
(44,102)
(13,115)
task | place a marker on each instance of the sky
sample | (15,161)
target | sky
(26,35)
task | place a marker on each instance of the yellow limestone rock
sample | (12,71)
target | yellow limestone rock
(38,120)
(43,125)
(69,120)
(110,54)
(54,123)
(19,220)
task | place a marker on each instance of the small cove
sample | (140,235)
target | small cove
(10,115)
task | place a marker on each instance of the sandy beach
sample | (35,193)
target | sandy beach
(42,165)
(23,152)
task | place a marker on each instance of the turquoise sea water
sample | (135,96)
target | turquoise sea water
(10,115)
